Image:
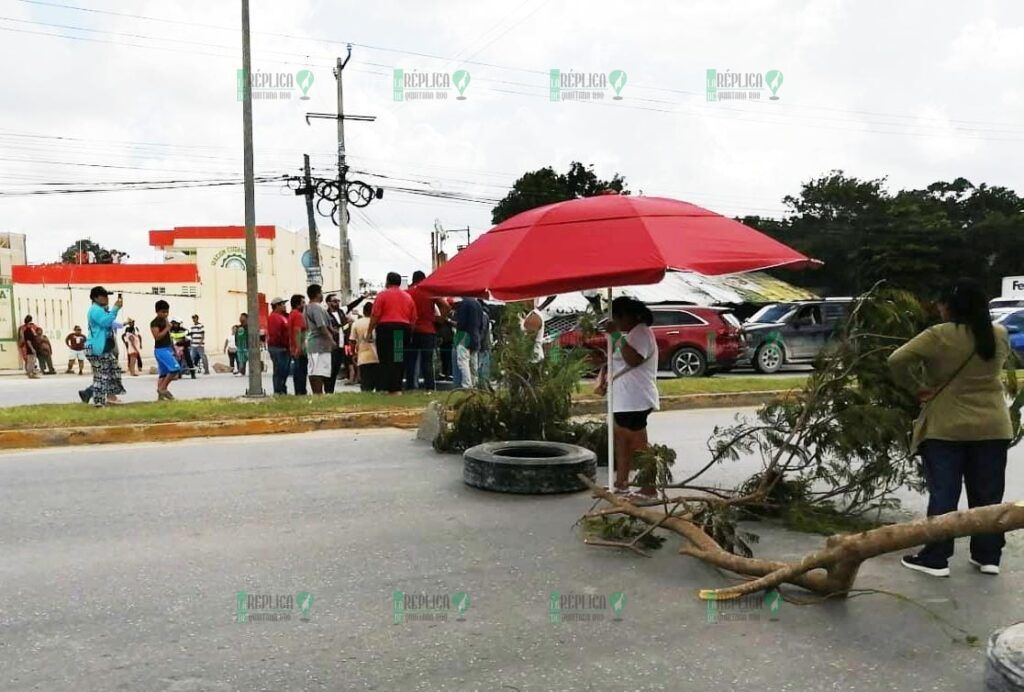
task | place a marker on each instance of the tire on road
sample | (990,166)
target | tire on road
(688,362)
(528,467)
(768,358)
(1004,665)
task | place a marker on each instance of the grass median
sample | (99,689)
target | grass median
(195,410)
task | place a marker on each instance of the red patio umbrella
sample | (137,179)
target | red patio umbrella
(602,242)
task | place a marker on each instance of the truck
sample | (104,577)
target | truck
(1011,298)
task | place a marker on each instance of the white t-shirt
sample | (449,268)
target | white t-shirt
(636,389)
(537,354)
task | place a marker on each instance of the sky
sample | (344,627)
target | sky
(109,91)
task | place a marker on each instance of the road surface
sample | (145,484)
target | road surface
(18,390)
(121,565)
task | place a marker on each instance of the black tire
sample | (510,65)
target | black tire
(688,362)
(1004,664)
(769,358)
(528,467)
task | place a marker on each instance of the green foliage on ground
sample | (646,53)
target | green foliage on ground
(528,401)
(844,437)
(622,529)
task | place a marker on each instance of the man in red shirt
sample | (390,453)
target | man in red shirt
(391,322)
(278,344)
(297,343)
(419,358)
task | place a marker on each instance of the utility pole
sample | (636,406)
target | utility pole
(366,192)
(314,241)
(251,286)
(346,281)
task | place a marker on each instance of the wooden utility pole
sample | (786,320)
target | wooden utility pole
(346,282)
(313,271)
(251,286)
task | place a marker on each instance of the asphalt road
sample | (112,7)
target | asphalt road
(120,568)
(18,390)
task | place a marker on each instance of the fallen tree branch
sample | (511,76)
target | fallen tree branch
(830,571)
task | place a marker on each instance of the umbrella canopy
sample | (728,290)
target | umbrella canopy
(603,241)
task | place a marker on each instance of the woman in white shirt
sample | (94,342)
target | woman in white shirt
(533,326)
(634,384)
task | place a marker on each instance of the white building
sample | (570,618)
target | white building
(203,273)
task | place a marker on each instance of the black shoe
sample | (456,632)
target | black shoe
(918,565)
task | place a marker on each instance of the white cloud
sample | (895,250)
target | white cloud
(858,78)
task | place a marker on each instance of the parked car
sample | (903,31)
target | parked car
(692,341)
(784,333)
(1000,307)
(1014,323)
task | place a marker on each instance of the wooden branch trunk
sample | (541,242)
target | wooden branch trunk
(833,569)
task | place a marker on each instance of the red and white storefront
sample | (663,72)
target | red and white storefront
(203,273)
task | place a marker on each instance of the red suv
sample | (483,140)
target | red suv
(692,341)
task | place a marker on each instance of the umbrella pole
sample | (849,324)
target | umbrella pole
(611,410)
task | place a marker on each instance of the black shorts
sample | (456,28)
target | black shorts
(632,420)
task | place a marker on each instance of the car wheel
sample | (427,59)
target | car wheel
(768,359)
(689,362)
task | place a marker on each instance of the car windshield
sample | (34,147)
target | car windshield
(1008,303)
(731,319)
(772,314)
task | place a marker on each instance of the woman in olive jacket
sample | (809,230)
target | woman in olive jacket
(964,428)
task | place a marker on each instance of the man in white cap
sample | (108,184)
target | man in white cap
(277,344)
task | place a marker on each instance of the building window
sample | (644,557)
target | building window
(158,290)
(189,291)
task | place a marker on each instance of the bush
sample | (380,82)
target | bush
(528,401)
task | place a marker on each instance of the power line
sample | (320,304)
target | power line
(306,38)
(778,118)
(384,235)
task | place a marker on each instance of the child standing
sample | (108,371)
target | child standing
(163,350)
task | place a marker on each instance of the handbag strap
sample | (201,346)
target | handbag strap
(952,377)
(618,346)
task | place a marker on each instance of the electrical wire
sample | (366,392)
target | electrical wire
(757,104)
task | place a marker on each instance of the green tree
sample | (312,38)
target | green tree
(545,186)
(915,240)
(100,253)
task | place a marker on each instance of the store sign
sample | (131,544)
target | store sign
(229,258)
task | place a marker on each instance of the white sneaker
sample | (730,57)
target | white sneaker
(984,569)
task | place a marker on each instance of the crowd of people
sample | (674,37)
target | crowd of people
(399,340)
(178,350)
(403,339)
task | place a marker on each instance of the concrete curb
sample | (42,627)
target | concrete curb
(164,432)
(35,438)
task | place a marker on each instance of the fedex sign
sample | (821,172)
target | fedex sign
(1013,287)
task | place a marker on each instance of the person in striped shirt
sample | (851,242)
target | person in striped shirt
(197,335)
